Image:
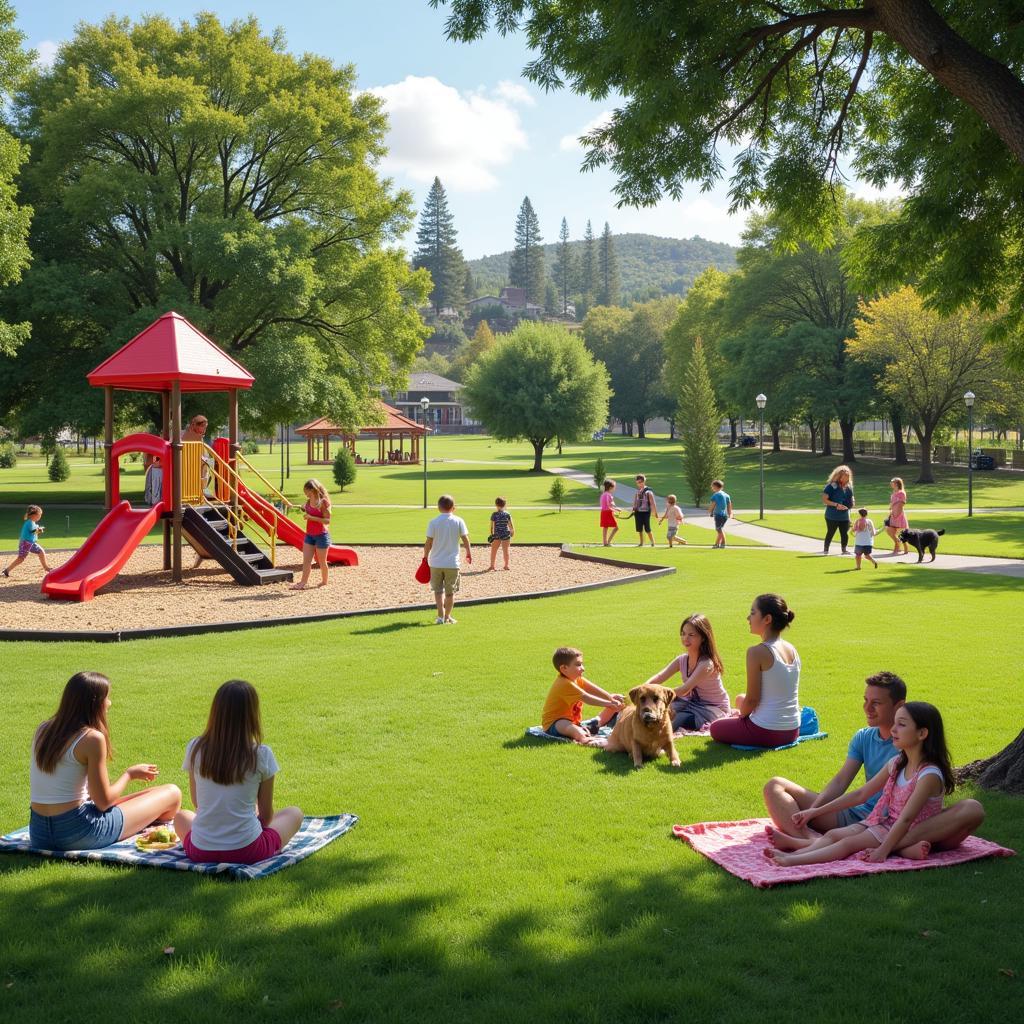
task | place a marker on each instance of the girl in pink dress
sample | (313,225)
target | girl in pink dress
(897,518)
(912,785)
(608,521)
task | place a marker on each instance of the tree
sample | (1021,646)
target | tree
(608,267)
(588,267)
(930,360)
(344,468)
(203,168)
(526,266)
(59,469)
(536,384)
(565,267)
(698,427)
(14,219)
(482,341)
(600,473)
(909,91)
(437,252)
(557,492)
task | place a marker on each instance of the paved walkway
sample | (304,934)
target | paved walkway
(811,545)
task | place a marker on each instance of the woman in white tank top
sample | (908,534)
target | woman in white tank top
(75,806)
(770,709)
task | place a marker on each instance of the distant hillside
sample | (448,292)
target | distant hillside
(649,266)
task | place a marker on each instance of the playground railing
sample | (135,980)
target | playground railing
(279,498)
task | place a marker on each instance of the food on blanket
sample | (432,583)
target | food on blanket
(644,729)
(160,838)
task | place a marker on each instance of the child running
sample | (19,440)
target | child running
(701,699)
(864,537)
(502,532)
(608,520)
(563,709)
(912,785)
(28,540)
(674,514)
(721,509)
(317,540)
(231,775)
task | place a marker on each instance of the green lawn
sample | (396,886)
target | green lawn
(495,879)
(992,534)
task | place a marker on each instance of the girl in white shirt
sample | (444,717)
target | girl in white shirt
(231,778)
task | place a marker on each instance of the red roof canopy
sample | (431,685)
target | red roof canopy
(171,349)
(394,422)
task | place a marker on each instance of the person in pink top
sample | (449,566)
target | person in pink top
(701,699)
(912,784)
(897,517)
(317,540)
(608,520)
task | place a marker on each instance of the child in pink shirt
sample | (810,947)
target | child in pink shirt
(608,520)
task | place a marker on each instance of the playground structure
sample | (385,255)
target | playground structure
(202,498)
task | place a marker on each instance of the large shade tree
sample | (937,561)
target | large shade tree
(203,168)
(537,384)
(926,95)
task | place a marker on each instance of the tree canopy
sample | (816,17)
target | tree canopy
(929,97)
(203,168)
(536,384)
(437,251)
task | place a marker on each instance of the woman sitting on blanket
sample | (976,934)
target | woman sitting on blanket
(75,806)
(912,785)
(770,709)
(701,699)
(231,780)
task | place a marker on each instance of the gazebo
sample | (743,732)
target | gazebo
(396,428)
(170,357)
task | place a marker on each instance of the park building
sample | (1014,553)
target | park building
(445,414)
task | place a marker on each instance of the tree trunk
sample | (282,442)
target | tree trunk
(927,474)
(813,426)
(774,428)
(538,453)
(826,437)
(733,438)
(1003,771)
(641,428)
(897,436)
(846,426)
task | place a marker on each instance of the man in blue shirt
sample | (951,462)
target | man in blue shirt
(871,747)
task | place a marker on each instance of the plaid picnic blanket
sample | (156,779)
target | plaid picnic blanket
(541,733)
(314,834)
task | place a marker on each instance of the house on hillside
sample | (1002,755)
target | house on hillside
(512,301)
(445,414)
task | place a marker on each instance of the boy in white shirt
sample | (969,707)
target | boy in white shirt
(864,537)
(441,550)
(674,514)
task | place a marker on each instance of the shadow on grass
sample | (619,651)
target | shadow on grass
(391,627)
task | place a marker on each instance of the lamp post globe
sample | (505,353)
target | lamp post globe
(762,401)
(969,402)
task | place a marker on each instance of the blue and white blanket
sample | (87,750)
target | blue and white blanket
(314,834)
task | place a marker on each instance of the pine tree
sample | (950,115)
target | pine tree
(437,252)
(608,265)
(588,267)
(526,267)
(699,420)
(565,267)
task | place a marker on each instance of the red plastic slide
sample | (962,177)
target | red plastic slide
(290,532)
(103,554)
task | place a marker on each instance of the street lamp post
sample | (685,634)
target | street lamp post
(761,402)
(425,406)
(969,401)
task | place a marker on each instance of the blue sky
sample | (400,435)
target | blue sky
(462,112)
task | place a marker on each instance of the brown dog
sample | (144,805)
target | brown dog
(644,728)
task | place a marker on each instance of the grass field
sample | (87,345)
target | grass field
(494,879)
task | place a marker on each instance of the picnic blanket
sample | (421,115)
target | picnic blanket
(738,846)
(314,834)
(541,733)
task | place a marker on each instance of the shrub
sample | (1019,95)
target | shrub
(8,456)
(557,492)
(60,468)
(600,474)
(344,468)
(250,448)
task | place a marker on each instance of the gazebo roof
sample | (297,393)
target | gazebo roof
(170,349)
(394,422)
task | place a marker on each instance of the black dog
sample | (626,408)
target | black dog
(922,540)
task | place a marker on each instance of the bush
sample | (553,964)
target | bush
(557,492)
(8,456)
(250,448)
(60,468)
(600,474)
(344,468)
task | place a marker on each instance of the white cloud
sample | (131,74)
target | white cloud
(46,53)
(515,92)
(460,137)
(571,143)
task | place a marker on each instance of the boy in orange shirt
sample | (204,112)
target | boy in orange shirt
(563,709)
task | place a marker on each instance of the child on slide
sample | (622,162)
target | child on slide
(563,709)
(701,699)
(912,785)
(231,774)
